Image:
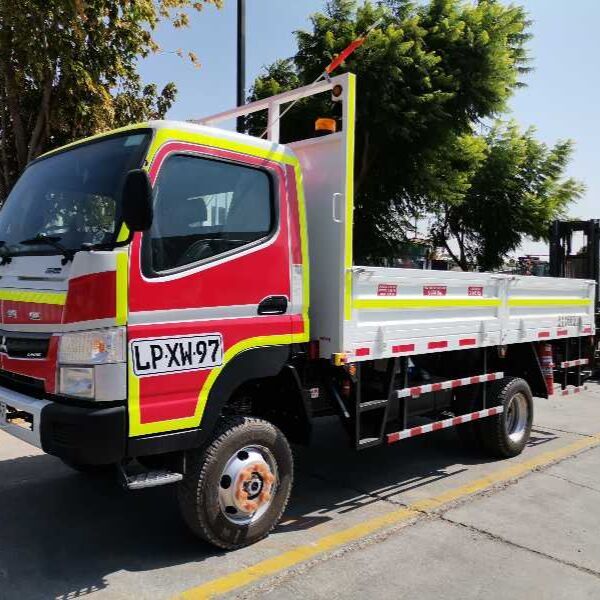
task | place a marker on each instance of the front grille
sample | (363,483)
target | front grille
(26,347)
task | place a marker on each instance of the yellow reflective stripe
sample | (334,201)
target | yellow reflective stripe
(298,338)
(123,234)
(255,342)
(56,298)
(349,220)
(391,304)
(122,285)
(133,402)
(549,302)
(166,135)
(137,428)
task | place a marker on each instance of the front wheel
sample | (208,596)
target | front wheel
(505,435)
(235,490)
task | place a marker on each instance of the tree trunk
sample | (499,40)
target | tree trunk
(38,134)
(367,158)
(17,123)
(5,174)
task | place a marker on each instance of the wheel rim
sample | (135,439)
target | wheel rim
(516,417)
(247,485)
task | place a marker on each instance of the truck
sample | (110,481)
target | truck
(180,304)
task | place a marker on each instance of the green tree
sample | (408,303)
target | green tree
(426,75)
(68,69)
(513,187)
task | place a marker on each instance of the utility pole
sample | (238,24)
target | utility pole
(241,61)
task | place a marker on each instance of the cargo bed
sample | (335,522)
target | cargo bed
(399,312)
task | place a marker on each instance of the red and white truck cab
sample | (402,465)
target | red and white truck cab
(179,300)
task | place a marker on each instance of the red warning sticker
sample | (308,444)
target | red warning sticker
(434,290)
(387,289)
(475,290)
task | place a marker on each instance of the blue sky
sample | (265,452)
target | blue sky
(561,99)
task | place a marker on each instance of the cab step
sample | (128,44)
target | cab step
(151,479)
(373,405)
(369,442)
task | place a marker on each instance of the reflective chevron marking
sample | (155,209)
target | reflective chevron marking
(447,385)
(574,363)
(414,431)
(570,390)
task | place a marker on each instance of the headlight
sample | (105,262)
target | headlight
(77,381)
(97,347)
(92,364)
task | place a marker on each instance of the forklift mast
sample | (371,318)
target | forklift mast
(584,263)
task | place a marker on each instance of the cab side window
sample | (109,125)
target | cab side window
(206,208)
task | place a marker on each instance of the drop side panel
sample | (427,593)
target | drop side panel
(399,312)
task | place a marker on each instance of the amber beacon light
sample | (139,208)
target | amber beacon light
(325,126)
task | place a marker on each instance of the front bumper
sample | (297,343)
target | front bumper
(93,436)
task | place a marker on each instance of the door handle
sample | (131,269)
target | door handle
(273,305)
(336,202)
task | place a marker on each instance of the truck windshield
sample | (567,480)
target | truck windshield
(71,200)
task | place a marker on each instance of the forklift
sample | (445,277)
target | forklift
(568,260)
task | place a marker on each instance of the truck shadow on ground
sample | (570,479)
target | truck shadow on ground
(62,533)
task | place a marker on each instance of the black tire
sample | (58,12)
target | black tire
(200,492)
(502,435)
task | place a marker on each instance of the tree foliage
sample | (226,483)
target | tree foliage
(68,69)
(427,76)
(515,188)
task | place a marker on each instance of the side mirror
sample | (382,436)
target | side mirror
(138,211)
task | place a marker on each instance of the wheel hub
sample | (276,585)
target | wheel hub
(516,417)
(247,485)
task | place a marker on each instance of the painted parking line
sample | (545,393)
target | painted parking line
(300,554)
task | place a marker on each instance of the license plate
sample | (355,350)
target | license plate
(172,355)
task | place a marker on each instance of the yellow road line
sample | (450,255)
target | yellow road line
(330,542)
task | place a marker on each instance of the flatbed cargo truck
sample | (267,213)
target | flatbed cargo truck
(180,302)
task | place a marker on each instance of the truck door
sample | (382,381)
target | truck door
(208,281)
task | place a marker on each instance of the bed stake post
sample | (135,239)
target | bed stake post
(579,365)
(566,370)
(485,372)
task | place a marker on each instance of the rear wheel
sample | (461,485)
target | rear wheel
(505,435)
(235,490)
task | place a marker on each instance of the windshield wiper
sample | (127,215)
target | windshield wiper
(53,241)
(89,247)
